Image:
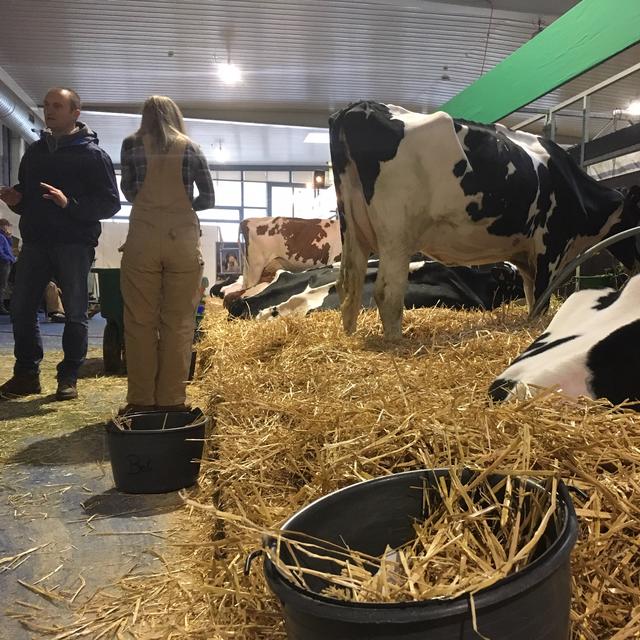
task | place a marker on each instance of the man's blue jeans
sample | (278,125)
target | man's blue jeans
(69,266)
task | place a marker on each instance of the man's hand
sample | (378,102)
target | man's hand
(55,194)
(10,196)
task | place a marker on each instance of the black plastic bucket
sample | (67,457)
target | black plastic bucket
(532,604)
(160,452)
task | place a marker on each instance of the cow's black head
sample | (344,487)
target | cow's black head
(509,285)
(500,389)
(628,251)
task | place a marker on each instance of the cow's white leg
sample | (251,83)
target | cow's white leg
(353,268)
(528,281)
(391,285)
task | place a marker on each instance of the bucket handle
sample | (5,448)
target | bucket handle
(579,492)
(249,561)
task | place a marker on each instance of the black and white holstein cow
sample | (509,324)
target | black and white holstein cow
(430,284)
(462,193)
(591,348)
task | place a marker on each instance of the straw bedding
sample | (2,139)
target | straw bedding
(301,410)
(477,529)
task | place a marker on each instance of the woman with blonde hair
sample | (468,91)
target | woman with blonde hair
(161,264)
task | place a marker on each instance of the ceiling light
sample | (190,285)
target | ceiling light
(633,108)
(220,154)
(319,179)
(229,73)
(317,137)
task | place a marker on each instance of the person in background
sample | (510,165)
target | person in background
(66,185)
(231,264)
(162,266)
(6,260)
(53,303)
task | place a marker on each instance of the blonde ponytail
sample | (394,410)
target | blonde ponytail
(162,121)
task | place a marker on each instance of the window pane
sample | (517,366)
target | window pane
(278,176)
(256,176)
(303,203)
(303,177)
(311,204)
(228,194)
(226,175)
(282,201)
(326,203)
(255,194)
(229,231)
(219,214)
(255,213)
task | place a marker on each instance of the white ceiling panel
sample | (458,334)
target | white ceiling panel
(301,60)
(244,143)
(297,56)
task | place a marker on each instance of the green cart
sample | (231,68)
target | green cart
(112,310)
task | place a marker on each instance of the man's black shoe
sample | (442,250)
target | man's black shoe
(66,390)
(22,384)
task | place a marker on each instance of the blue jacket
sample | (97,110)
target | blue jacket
(77,166)
(6,254)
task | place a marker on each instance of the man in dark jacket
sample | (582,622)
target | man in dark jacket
(66,185)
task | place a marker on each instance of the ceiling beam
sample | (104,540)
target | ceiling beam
(282,116)
(587,35)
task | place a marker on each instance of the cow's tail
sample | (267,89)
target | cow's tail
(353,260)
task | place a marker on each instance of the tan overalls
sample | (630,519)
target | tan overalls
(160,280)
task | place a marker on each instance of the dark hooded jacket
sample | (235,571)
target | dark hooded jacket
(77,166)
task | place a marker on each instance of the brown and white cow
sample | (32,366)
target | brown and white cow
(464,194)
(296,243)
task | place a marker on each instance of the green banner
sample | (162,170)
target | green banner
(585,36)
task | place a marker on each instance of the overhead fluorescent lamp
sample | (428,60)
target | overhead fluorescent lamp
(633,109)
(229,73)
(317,137)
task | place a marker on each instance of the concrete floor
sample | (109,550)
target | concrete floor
(51,333)
(58,505)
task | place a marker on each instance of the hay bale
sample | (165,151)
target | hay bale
(302,410)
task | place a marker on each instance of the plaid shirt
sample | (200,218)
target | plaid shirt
(133,162)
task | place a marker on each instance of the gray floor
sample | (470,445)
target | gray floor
(51,333)
(62,523)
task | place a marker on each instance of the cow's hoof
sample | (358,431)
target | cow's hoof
(349,327)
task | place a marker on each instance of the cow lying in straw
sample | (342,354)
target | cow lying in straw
(591,348)
(430,284)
